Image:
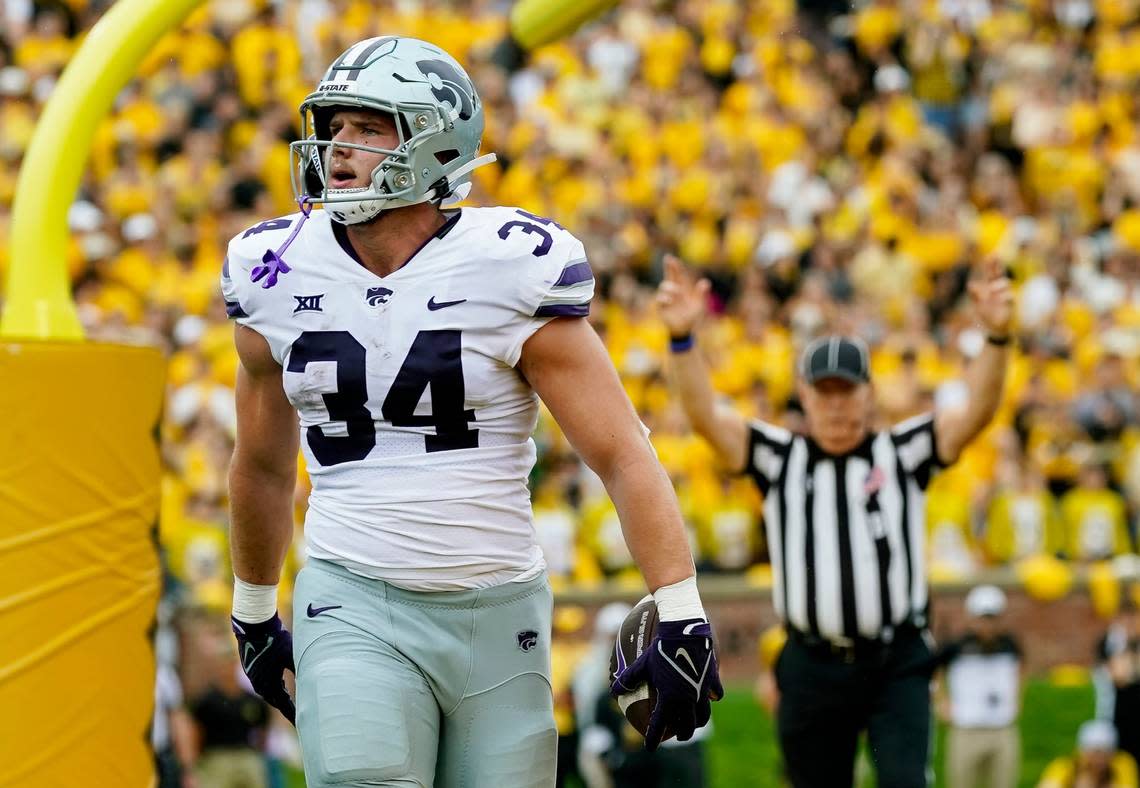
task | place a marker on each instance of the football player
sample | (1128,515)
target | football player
(410,341)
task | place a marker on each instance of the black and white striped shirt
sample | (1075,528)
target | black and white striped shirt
(846,534)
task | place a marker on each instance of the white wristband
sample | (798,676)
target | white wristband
(253,604)
(679,601)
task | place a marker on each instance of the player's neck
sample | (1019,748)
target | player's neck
(385,244)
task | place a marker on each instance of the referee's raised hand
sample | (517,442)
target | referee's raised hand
(992,295)
(681,298)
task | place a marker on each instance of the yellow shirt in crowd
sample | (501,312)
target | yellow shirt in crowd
(1095,523)
(1061,772)
(1021,524)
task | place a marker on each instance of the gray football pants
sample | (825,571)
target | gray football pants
(405,688)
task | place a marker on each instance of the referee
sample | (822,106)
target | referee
(843,510)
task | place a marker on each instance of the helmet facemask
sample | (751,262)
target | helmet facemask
(393,183)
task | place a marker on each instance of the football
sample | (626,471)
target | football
(635,635)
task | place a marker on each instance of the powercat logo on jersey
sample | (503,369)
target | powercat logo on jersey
(377,295)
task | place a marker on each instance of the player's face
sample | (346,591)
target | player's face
(351,168)
(987,627)
(1095,763)
(837,413)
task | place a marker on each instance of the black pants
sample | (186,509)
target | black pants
(681,767)
(1126,717)
(168,771)
(827,699)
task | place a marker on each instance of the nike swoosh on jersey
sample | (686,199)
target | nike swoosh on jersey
(434,305)
(316,611)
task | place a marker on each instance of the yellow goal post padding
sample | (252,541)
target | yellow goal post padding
(79,568)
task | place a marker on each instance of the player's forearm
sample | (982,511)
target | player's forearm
(985,381)
(650,518)
(261,521)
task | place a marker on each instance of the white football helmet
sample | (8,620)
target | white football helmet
(439,118)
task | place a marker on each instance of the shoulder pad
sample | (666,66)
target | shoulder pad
(253,241)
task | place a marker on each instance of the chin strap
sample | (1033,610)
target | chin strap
(459,194)
(272,263)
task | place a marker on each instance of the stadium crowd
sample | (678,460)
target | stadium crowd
(826,172)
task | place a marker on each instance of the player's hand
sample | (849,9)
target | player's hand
(681,298)
(681,665)
(992,295)
(266,652)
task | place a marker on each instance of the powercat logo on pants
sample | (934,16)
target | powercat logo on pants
(527,639)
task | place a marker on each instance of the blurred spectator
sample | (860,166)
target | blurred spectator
(767,690)
(1095,764)
(566,654)
(681,764)
(982,697)
(1022,519)
(171,733)
(1094,517)
(626,761)
(1117,674)
(230,723)
(47,46)
(769,648)
(1111,403)
(591,686)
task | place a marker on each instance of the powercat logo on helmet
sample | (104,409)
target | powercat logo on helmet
(449,85)
(336,87)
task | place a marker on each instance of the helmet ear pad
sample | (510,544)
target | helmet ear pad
(314,168)
(322,120)
(314,173)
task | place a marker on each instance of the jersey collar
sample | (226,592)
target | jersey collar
(341,234)
(865,449)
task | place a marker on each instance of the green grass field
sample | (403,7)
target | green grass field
(742,751)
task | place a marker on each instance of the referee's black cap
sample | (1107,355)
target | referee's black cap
(835,357)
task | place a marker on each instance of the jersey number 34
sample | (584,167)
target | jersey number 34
(434,360)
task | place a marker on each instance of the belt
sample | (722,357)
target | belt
(859,649)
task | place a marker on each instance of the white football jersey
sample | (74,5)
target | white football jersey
(415,425)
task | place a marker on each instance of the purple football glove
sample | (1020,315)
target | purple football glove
(681,665)
(266,652)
